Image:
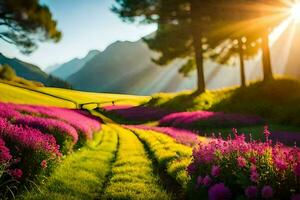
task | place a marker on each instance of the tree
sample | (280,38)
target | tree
(181,26)
(26,22)
(7,72)
(191,29)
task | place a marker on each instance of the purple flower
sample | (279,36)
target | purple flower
(199,181)
(251,192)
(219,192)
(295,197)
(207,180)
(267,192)
(215,171)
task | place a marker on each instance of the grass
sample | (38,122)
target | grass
(14,94)
(171,156)
(276,101)
(132,174)
(102,98)
(82,174)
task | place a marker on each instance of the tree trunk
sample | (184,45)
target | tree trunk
(242,64)
(197,42)
(267,68)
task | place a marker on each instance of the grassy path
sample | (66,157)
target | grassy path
(82,174)
(132,174)
(171,156)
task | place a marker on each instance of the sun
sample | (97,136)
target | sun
(295,11)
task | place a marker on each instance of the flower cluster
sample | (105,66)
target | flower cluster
(63,132)
(204,119)
(236,169)
(137,113)
(33,138)
(181,136)
(84,123)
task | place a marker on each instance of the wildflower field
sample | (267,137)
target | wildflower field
(123,150)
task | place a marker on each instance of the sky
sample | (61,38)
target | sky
(86,25)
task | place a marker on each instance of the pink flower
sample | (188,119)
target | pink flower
(241,161)
(215,171)
(252,160)
(297,169)
(267,192)
(254,176)
(44,164)
(219,192)
(251,192)
(207,180)
(266,132)
(16,173)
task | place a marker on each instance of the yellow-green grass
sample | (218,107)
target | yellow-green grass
(170,155)
(103,98)
(12,94)
(82,174)
(276,100)
(132,173)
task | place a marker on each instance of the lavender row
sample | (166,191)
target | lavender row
(200,120)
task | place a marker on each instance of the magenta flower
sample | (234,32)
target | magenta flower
(199,181)
(266,132)
(16,173)
(44,164)
(295,197)
(251,192)
(5,155)
(297,169)
(207,180)
(241,161)
(219,192)
(267,192)
(215,171)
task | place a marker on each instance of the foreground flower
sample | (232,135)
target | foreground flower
(44,164)
(267,192)
(297,169)
(207,180)
(16,173)
(251,192)
(241,161)
(296,197)
(219,192)
(215,171)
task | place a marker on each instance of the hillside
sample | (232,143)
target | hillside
(65,70)
(32,72)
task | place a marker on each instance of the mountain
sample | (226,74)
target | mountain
(52,68)
(72,66)
(32,72)
(126,67)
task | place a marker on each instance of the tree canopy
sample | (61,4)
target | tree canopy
(191,29)
(24,23)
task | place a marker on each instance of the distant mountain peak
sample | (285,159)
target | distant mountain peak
(74,65)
